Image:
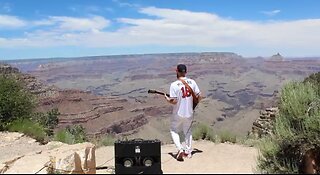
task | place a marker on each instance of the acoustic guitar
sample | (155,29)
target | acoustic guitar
(151,91)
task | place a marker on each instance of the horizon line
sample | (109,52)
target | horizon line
(154,53)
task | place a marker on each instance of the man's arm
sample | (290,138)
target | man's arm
(173,95)
(197,92)
(171,100)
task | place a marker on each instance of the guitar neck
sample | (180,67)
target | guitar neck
(158,92)
(162,93)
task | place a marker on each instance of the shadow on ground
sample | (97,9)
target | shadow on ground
(194,151)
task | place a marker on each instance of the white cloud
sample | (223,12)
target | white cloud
(180,27)
(67,24)
(7,21)
(174,28)
(271,13)
(44,22)
(126,4)
(80,24)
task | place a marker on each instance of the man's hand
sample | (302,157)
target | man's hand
(171,100)
(167,98)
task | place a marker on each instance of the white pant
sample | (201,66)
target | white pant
(186,123)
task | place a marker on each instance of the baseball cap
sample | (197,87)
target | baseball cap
(182,68)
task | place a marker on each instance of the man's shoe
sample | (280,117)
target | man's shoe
(180,154)
(188,154)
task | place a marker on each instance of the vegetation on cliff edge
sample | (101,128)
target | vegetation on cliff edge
(17,111)
(296,129)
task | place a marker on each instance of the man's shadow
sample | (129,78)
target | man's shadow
(194,151)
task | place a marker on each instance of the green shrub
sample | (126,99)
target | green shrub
(64,136)
(248,140)
(296,130)
(29,128)
(15,102)
(295,100)
(17,110)
(203,132)
(107,140)
(315,80)
(227,136)
(48,120)
(71,135)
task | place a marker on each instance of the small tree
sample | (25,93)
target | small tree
(48,120)
(15,101)
(71,135)
(79,133)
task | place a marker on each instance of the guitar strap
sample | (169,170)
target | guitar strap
(195,99)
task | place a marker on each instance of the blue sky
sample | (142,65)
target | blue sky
(72,28)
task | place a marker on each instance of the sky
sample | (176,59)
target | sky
(76,28)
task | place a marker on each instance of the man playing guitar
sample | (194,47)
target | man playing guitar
(184,95)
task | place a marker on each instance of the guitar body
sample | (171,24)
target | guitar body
(194,104)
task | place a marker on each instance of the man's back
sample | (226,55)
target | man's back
(184,106)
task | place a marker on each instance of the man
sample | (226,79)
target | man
(182,99)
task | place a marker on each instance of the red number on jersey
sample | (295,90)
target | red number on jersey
(185,92)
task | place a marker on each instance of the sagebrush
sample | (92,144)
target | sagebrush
(296,129)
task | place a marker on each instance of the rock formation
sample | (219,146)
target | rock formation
(218,58)
(263,125)
(7,69)
(276,57)
(31,83)
(22,154)
(124,126)
(73,159)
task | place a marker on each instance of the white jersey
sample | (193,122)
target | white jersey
(184,107)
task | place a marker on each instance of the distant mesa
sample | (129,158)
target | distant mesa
(276,57)
(218,57)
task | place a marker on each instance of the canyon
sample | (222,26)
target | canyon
(108,94)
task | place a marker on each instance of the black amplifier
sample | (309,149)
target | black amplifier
(138,156)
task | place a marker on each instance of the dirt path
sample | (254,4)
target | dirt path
(211,158)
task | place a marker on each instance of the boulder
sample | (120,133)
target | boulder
(79,162)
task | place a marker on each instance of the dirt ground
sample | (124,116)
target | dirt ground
(208,158)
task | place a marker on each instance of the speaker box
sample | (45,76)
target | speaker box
(138,157)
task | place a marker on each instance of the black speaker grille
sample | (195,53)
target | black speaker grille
(137,151)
